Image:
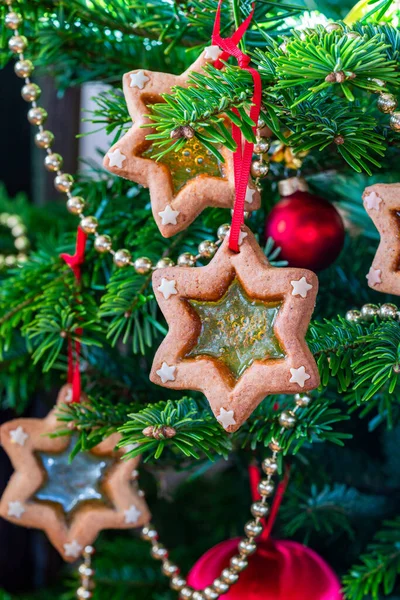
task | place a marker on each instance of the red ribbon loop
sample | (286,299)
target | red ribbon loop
(255,478)
(75,261)
(244,151)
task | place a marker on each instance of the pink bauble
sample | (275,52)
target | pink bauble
(279,570)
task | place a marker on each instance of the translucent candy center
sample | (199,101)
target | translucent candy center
(71,483)
(237,329)
(193,161)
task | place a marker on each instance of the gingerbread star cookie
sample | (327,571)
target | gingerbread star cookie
(71,501)
(236,330)
(181,183)
(382,203)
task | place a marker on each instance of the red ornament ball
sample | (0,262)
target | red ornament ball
(279,570)
(308,229)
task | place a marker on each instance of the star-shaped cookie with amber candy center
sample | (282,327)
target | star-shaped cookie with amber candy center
(181,183)
(382,203)
(72,501)
(236,330)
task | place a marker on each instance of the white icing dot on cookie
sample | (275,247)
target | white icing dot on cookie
(373,201)
(300,287)
(15,509)
(226,418)
(212,52)
(167,288)
(374,276)
(168,215)
(299,376)
(132,514)
(250,193)
(166,373)
(139,80)
(18,436)
(116,158)
(242,236)
(73,549)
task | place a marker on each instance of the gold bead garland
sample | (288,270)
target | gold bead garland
(86,573)
(21,242)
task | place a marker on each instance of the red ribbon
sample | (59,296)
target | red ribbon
(255,478)
(75,261)
(244,151)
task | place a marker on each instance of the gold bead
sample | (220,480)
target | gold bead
(223,231)
(387,103)
(238,563)
(253,529)
(75,205)
(369,311)
(388,311)
(266,488)
(53,162)
(159,552)
(103,243)
(122,258)
(198,595)
(210,594)
(84,594)
(260,123)
(186,260)
(89,224)
(23,68)
(353,35)
(85,571)
(21,242)
(37,115)
(186,593)
(31,92)
(165,262)
(63,182)
(270,466)
(143,265)
(259,509)
(247,547)
(275,446)
(13,20)
(17,43)
(353,316)
(395,121)
(220,586)
(169,569)
(287,419)
(330,27)
(177,583)
(44,139)
(149,533)
(207,249)
(262,146)
(230,576)
(259,168)
(302,400)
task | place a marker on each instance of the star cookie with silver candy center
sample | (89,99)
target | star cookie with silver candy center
(70,501)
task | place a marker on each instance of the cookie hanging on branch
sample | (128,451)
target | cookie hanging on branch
(382,203)
(181,183)
(236,330)
(71,501)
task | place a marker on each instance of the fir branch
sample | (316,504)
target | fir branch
(197,433)
(379,568)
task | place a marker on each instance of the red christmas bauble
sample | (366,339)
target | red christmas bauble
(279,570)
(308,229)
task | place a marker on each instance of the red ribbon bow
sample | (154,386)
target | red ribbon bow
(75,261)
(244,152)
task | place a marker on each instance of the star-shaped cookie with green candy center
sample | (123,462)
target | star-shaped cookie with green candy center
(71,501)
(236,330)
(181,183)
